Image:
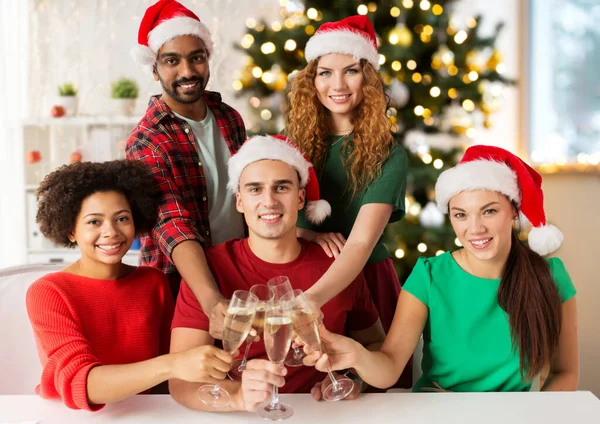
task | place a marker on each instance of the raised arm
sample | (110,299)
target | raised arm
(366,231)
(175,231)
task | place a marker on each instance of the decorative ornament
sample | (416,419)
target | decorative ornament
(400,35)
(34,156)
(491,96)
(75,157)
(415,141)
(431,217)
(399,93)
(456,119)
(494,60)
(442,58)
(57,111)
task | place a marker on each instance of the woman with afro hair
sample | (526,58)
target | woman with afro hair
(102,327)
(337,118)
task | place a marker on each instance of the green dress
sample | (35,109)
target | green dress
(389,187)
(467,344)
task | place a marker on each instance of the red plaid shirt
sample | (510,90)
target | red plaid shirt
(167,144)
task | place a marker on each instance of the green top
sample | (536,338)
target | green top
(389,187)
(467,345)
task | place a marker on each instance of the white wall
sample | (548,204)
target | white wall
(88,42)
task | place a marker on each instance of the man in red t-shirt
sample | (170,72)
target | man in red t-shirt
(269,177)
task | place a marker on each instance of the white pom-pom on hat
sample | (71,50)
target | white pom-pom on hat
(278,147)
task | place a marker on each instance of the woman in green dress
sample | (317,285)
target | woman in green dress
(495,314)
(337,118)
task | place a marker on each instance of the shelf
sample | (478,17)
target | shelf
(82,121)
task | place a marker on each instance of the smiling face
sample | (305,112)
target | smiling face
(182,69)
(104,229)
(270,198)
(482,221)
(339,84)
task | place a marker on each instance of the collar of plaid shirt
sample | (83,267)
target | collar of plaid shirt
(161,110)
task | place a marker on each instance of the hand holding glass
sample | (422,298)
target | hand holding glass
(306,326)
(278,336)
(238,322)
(281,286)
(263,294)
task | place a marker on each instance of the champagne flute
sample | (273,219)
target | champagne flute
(306,326)
(277,336)
(281,286)
(238,322)
(264,294)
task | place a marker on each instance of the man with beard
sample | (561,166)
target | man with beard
(186,137)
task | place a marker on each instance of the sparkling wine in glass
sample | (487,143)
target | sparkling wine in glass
(281,286)
(277,336)
(264,294)
(238,322)
(306,326)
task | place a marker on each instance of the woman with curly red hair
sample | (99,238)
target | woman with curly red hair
(102,327)
(337,117)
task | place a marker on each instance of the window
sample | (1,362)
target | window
(564,94)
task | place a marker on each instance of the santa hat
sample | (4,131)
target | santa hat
(493,168)
(353,35)
(162,22)
(277,147)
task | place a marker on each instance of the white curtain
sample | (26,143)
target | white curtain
(14,34)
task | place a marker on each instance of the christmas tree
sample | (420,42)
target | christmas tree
(443,79)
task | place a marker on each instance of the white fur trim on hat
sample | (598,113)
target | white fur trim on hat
(261,148)
(545,240)
(144,57)
(344,41)
(175,27)
(476,175)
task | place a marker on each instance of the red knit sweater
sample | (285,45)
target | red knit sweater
(81,322)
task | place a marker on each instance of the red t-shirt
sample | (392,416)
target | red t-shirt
(81,322)
(235,267)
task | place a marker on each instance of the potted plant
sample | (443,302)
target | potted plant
(124,92)
(67,98)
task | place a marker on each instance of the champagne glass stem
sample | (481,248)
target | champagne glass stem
(297,353)
(215,392)
(242,366)
(274,397)
(331,377)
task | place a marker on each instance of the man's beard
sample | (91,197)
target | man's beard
(185,99)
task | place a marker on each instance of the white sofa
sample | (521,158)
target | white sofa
(20,367)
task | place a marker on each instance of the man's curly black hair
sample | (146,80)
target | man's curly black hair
(62,192)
